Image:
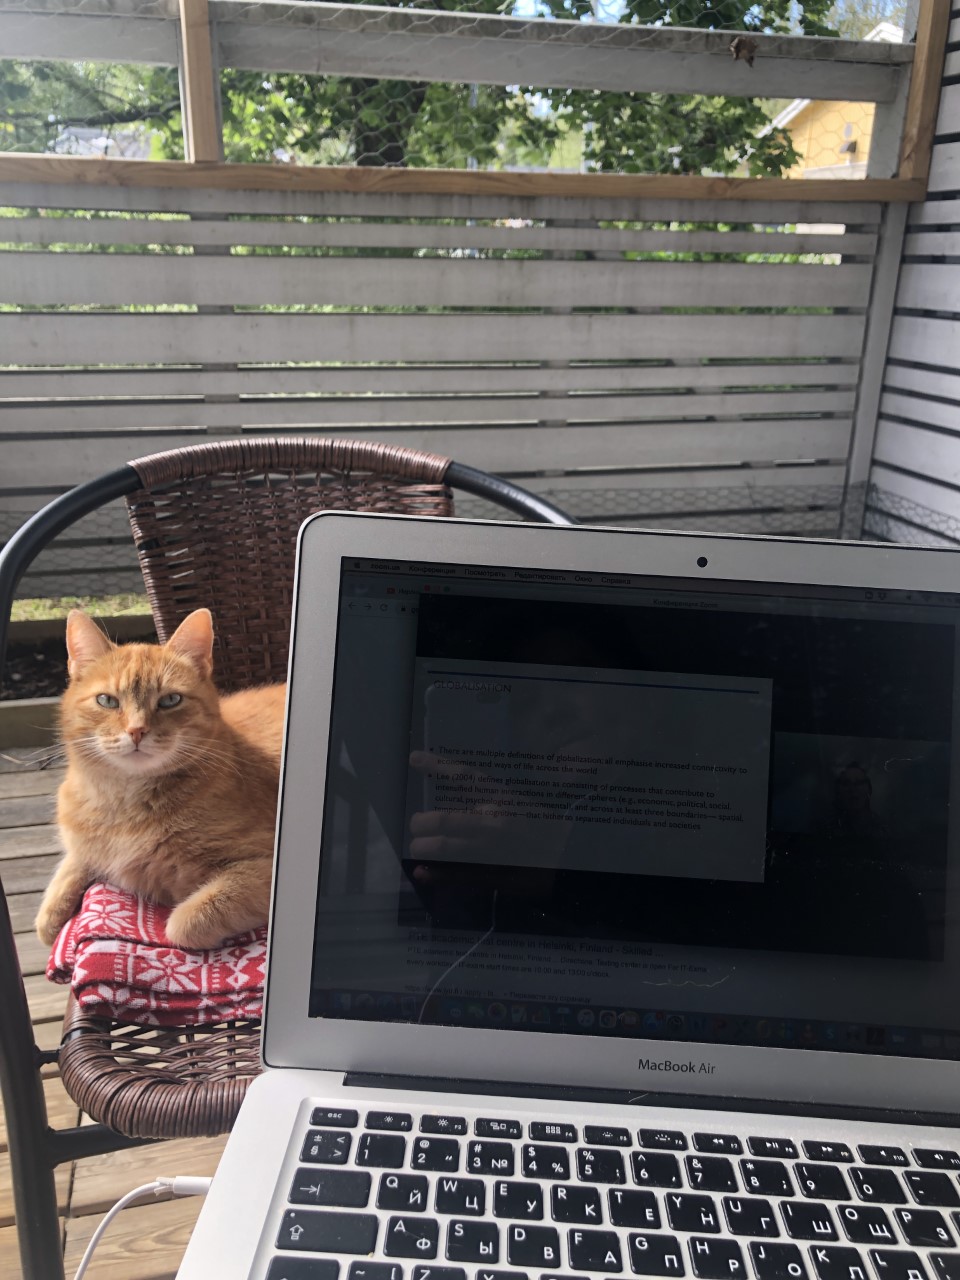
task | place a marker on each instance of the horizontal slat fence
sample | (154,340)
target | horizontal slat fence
(915,493)
(677,363)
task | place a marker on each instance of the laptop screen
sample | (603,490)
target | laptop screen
(621,806)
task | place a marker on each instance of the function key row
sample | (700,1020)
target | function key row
(727,1144)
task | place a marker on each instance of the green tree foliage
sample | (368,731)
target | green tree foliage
(334,119)
(39,101)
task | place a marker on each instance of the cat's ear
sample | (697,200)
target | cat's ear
(193,640)
(85,642)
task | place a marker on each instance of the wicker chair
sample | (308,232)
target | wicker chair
(214,525)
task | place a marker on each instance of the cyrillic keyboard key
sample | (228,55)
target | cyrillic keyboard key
(750,1216)
(777,1148)
(806,1220)
(603,1136)
(946,1265)
(381,1150)
(882,1155)
(838,1263)
(594,1250)
(460,1195)
(877,1186)
(452,1125)
(632,1208)
(518,1200)
(923,1226)
(326,1146)
(937,1189)
(599,1166)
(577,1204)
(473,1242)
(345,1189)
(439,1273)
(484,1274)
(927,1158)
(440,1155)
(778,1261)
(828,1151)
(404,1191)
(397,1120)
(303,1269)
(487,1127)
(655,1255)
(691,1213)
(897,1264)
(663,1140)
(715,1259)
(725,1144)
(656,1169)
(490,1157)
(334,1118)
(322,1231)
(821,1181)
(866,1224)
(411,1237)
(711,1173)
(532,1246)
(548,1131)
(539,1161)
(766,1177)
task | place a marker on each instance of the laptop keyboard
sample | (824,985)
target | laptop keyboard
(403,1196)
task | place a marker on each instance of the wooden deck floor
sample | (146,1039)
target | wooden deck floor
(147,1241)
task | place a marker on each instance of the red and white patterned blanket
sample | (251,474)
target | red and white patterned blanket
(115,956)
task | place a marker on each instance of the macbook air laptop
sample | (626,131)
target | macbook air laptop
(614,927)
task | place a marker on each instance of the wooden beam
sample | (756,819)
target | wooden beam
(467,48)
(921,117)
(199,85)
(94,171)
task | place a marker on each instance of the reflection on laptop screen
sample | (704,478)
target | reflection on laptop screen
(629,807)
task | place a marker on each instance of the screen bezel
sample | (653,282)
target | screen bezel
(293,1039)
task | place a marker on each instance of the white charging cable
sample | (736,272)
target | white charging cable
(180,1186)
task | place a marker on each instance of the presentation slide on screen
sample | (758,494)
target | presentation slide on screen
(638,772)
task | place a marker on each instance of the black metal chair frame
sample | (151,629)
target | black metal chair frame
(34,1148)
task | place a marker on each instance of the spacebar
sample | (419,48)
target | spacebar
(319,1232)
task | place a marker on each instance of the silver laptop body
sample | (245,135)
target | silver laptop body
(613,925)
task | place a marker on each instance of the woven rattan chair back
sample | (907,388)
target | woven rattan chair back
(215,527)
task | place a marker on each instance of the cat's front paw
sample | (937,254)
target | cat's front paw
(51,918)
(187,929)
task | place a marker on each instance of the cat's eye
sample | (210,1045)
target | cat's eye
(107,700)
(169,700)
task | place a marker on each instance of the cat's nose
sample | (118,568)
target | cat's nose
(136,735)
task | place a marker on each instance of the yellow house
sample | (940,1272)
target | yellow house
(833,138)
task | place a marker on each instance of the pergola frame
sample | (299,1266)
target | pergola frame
(903,80)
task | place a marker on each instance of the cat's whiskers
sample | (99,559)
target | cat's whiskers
(220,761)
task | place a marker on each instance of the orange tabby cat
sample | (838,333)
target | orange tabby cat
(171,790)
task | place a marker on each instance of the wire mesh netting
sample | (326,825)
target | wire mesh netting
(97,557)
(585,123)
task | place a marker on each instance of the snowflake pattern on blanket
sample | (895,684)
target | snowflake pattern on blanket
(115,956)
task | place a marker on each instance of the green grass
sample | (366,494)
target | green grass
(98,606)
